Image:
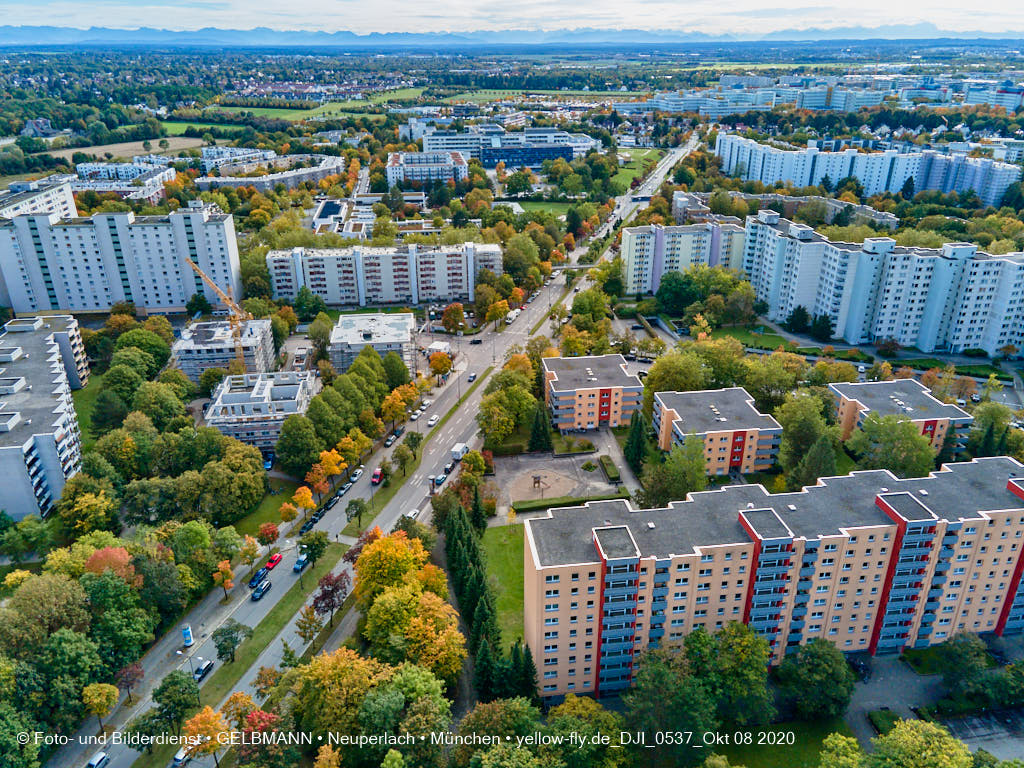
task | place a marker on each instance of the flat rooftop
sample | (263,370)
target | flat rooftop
(217,333)
(712,518)
(907,398)
(589,372)
(358,328)
(716,410)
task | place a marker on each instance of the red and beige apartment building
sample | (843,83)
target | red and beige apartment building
(590,392)
(867,561)
(907,398)
(737,436)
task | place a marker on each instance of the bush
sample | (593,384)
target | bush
(974,353)
(536,505)
(588,466)
(610,470)
(883,720)
(508,449)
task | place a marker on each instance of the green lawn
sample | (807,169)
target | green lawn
(503,546)
(268,510)
(568,443)
(556,208)
(980,370)
(175,128)
(854,355)
(226,676)
(802,753)
(750,338)
(85,401)
(635,166)
(930,660)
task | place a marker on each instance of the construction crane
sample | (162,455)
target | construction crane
(236,315)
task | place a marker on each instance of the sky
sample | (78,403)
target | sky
(741,17)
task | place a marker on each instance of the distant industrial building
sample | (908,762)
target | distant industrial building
(49,263)
(737,437)
(908,399)
(384,331)
(366,275)
(252,408)
(41,360)
(590,392)
(212,345)
(425,167)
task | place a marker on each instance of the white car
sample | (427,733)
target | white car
(414,416)
(433,420)
(427,403)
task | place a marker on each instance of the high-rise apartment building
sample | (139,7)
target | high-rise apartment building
(879,172)
(649,251)
(38,197)
(41,360)
(868,562)
(362,275)
(737,437)
(48,263)
(590,392)
(425,167)
(383,331)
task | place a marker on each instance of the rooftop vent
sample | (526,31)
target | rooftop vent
(923,492)
(650,524)
(750,505)
(791,507)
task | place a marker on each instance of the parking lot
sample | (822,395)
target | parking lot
(1001,733)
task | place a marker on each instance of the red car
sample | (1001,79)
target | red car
(274,560)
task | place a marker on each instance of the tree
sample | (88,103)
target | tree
(228,636)
(210,379)
(236,708)
(540,432)
(207,730)
(683,471)
(267,679)
(146,727)
(148,342)
(840,751)
(198,304)
(402,457)
(587,718)
(673,372)
(395,370)
(497,312)
(919,744)
(385,563)
(413,440)
(298,446)
(355,509)
(327,757)
(453,318)
(964,662)
(108,412)
(308,624)
(799,320)
(334,589)
(477,513)
(817,680)
(223,577)
(819,461)
(889,442)
(440,364)
(128,677)
(635,449)
(99,700)
(267,534)
(175,697)
(314,544)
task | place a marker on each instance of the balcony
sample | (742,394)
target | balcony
(808,572)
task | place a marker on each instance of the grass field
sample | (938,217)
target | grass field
(227,676)
(558,209)
(932,660)
(5,181)
(330,109)
(85,400)
(175,128)
(129,148)
(749,338)
(802,753)
(980,370)
(635,166)
(269,510)
(503,546)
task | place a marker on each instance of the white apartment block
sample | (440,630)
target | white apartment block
(43,196)
(648,252)
(362,275)
(935,299)
(214,157)
(471,142)
(323,166)
(212,345)
(384,331)
(425,167)
(252,408)
(50,264)
(120,171)
(878,171)
(41,360)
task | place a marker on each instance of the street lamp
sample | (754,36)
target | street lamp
(191,669)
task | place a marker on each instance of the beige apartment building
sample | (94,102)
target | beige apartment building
(590,392)
(907,398)
(737,436)
(867,561)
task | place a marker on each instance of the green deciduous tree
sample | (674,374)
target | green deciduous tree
(817,680)
(683,471)
(228,636)
(888,442)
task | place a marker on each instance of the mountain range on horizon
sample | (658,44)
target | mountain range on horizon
(263,36)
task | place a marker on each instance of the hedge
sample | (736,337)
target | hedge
(534,505)
(883,720)
(610,470)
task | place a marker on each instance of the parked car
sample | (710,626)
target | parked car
(181,758)
(202,670)
(426,403)
(268,462)
(476,341)
(344,489)
(471,378)
(449,467)
(317,516)
(636,327)
(301,562)
(414,416)
(99,760)
(975,398)
(433,420)
(257,577)
(377,477)
(390,441)
(307,527)
(273,561)
(399,431)
(357,473)
(439,480)
(261,590)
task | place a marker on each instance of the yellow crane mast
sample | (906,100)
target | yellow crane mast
(236,315)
